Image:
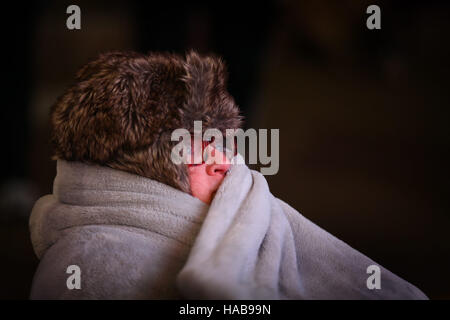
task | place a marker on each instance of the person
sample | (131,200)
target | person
(126,222)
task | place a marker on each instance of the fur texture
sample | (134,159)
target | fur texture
(123,107)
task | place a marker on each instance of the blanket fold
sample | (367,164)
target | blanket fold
(129,235)
(254,246)
(136,238)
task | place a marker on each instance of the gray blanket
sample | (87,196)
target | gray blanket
(135,238)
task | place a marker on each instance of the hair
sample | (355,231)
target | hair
(123,107)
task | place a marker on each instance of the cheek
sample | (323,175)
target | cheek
(203,185)
(200,185)
(198,179)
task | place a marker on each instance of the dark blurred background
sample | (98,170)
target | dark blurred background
(363,114)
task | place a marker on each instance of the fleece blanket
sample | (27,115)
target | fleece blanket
(136,238)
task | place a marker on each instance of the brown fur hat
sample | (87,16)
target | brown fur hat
(123,107)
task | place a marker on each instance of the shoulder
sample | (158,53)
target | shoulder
(115,262)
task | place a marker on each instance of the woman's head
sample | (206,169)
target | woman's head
(123,107)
